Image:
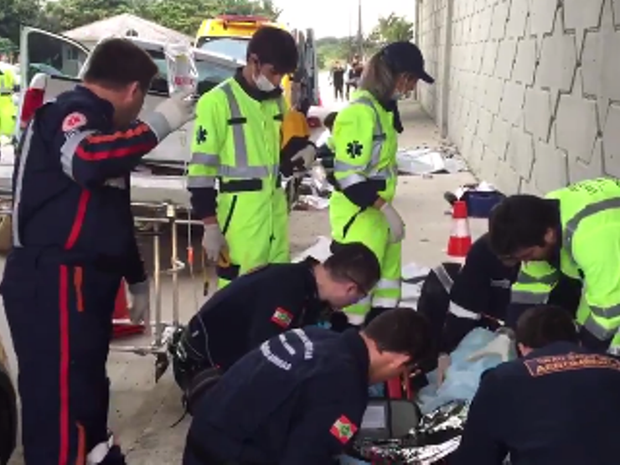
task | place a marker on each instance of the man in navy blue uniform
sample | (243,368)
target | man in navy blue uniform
(73,243)
(559,404)
(300,397)
(270,301)
(458,299)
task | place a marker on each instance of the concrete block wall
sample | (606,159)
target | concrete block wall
(529,90)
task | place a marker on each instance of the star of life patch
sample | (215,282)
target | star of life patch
(73,121)
(343,429)
(282,318)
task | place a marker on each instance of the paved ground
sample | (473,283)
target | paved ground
(142,412)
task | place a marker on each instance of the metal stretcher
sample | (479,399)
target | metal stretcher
(156,218)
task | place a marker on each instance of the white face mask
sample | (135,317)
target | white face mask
(263,84)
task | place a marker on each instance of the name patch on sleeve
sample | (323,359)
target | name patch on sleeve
(542,366)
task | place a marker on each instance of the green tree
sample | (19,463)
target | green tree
(392,28)
(14,13)
(180,15)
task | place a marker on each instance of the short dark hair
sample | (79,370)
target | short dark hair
(354,262)
(116,63)
(402,330)
(544,324)
(521,221)
(330,119)
(276,47)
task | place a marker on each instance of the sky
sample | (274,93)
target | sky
(338,18)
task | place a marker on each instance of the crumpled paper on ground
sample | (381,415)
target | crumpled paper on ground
(426,161)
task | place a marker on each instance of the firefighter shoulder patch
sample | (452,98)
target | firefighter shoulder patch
(343,429)
(282,318)
(73,121)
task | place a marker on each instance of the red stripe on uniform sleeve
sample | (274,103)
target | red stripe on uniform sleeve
(120,144)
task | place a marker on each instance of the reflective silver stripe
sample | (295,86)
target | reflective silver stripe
(444,278)
(385,302)
(378,136)
(211,160)
(281,106)
(597,330)
(351,180)
(549,279)
(67,151)
(607,313)
(573,223)
(461,312)
(247,171)
(241,148)
(388,284)
(524,297)
(19,183)
(199,182)
(207,159)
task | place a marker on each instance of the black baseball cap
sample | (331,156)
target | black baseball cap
(406,57)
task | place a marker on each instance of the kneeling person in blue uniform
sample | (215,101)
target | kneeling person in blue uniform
(300,397)
(265,303)
(558,404)
(73,235)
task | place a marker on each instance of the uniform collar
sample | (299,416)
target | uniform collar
(355,345)
(556,348)
(315,307)
(103,105)
(554,260)
(253,92)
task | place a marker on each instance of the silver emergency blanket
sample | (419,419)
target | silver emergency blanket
(437,436)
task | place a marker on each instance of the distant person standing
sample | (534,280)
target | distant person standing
(337,80)
(354,73)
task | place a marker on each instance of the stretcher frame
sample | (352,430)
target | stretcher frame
(157,215)
(160,214)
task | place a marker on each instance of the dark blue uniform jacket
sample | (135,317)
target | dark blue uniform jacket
(558,405)
(71,184)
(252,309)
(296,400)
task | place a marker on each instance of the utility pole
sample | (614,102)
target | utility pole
(360,37)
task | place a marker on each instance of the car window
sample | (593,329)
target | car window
(209,74)
(233,47)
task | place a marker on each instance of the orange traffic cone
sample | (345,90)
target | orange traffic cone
(460,236)
(121,325)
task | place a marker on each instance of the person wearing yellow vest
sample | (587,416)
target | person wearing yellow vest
(234,173)
(573,231)
(365,170)
(7,107)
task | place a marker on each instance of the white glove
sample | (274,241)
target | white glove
(305,157)
(213,241)
(397,225)
(171,114)
(502,345)
(140,301)
(443,363)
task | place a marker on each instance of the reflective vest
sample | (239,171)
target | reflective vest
(366,151)
(245,148)
(7,82)
(590,250)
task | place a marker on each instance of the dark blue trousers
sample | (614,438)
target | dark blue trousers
(60,317)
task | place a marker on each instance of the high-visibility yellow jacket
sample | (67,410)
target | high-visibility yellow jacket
(590,227)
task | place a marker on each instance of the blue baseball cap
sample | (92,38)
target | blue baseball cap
(406,57)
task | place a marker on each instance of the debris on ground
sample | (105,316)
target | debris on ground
(425,161)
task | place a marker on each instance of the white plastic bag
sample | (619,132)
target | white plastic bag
(462,377)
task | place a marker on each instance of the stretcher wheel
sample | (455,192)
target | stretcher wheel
(8,417)
(6,238)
